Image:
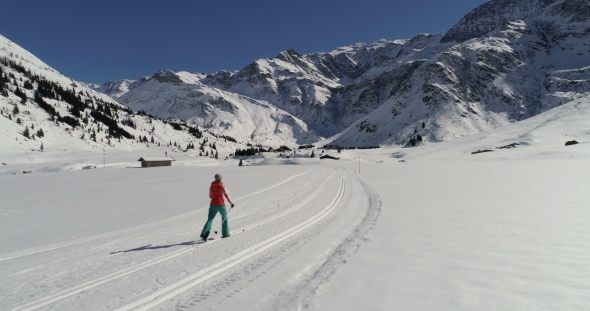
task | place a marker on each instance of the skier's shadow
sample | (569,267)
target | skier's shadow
(150,247)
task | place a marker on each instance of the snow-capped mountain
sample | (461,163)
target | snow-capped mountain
(507,75)
(505,61)
(113,89)
(182,95)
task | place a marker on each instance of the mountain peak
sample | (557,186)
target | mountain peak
(492,15)
(167,76)
(288,55)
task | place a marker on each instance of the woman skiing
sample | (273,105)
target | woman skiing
(216,193)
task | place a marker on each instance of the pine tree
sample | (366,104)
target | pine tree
(15,110)
(216,155)
(42,147)
(423,125)
(26,133)
(153,140)
(40,133)
(28,85)
(19,93)
(207,153)
(312,154)
(241,164)
(3,90)
(18,121)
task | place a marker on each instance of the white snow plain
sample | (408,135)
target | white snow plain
(443,230)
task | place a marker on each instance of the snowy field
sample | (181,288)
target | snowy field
(443,230)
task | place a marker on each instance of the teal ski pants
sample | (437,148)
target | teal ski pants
(213,210)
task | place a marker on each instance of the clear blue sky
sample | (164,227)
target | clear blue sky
(96,41)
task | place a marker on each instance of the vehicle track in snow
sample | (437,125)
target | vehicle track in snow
(55,297)
(288,275)
(305,293)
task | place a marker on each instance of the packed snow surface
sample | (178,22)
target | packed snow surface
(427,228)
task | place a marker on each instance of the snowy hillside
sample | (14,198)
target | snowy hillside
(45,115)
(505,61)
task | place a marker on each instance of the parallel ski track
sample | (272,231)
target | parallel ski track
(195,279)
(107,278)
(102,237)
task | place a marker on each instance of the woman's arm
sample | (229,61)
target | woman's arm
(226,193)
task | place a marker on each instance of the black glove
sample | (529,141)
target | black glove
(232,206)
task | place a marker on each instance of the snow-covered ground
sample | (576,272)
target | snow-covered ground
(443,230)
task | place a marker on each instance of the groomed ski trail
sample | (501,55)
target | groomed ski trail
(43,249)
(177,288)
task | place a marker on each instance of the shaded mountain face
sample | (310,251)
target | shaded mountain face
(519,70)
(493,15)
(505,61)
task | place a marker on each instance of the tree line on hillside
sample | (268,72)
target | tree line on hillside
(249,152)
(101,111)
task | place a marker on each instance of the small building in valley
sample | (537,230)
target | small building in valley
(155,161)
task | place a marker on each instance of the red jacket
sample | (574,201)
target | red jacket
(216,193)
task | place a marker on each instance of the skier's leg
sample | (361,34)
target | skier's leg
(225,224)
(211,217)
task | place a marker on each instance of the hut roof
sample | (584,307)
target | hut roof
(155,159)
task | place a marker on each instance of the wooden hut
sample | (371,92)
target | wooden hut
(156,161)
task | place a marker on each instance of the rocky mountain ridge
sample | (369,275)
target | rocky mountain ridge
(505,61)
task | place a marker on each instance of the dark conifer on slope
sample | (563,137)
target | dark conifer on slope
(26,133)
(3,81)
(28,85)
